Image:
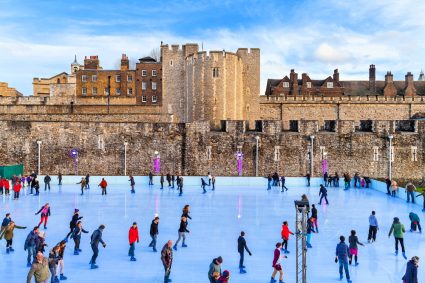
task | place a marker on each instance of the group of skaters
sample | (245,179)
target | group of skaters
(356,180)
(274,180)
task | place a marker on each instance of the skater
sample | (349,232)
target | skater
(214,271)
(341,256)
(54,258)
(150,179)
(225,277)
(168,178)
(45,213)
(388,183)
(60,267)
(173,178)
(1,185)
(346,181)
(411,275)
(6,220)
(213,182)
(37,187)
(203,184)
(336,180)
(103,184)
(16,189)
(325,178)
(154,232)
(269,182)
(186,211)
(133,236)
(167,260)
(415,222)
(309,231)
(30,245)
(410,190)
(40,242)
(76,235)
(356,180)
(87,182)
(241,250)
(304,198)
(47,180)
(39,269)
(209,179)
(60,179)
(323,193)
(394,188)
(96,237)
(73,223)
(182,233)
(6,185)
(373,228)
(277,264)
(283,180)
(285,236)
(180,185)
(132,184)
(7,233)
(314,218)
(161,181)
(399,231)
(354,241)
(83,185)
(308,177)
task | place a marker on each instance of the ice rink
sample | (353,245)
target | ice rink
(217,219)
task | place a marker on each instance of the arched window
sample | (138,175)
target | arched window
(58,81)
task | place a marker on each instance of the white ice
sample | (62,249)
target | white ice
(218,218)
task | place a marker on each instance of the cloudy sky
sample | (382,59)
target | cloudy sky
(40,38)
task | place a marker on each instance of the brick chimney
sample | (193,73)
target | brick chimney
(294,82)
(91,63)
(389,89)
(125,63)
(336,75)
(372,78)
(409,89)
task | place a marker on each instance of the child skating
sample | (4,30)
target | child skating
(45,213)
(133,237)
(277,267)
(285,236)
(354,241)
(415,222)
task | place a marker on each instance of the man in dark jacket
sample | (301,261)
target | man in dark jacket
(388,183)
(167,260)
(96,237)
(150,179)
(87,182)
(411,275)
(47,180)
(241,249)
(154,232)
(341,256)
(73,222)
(30,245)
(323,193)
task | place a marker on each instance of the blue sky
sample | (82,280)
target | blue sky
(40,38)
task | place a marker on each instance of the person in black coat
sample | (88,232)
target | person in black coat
(241,249)
(182,233)
(180,185)
(47,180)
(323,193)
(76,235)
(388,183)
(411,275)
(150,179)
(96,237)
(203,184)
(73,222)
(154,232)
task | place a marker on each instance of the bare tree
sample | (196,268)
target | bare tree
(155,54)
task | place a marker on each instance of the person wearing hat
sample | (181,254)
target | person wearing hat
(411,275)
(214,271)
(96,237)
(133,236)
(73,222)
(154,232)
(225,277)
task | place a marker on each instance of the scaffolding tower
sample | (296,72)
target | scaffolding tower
(301,244)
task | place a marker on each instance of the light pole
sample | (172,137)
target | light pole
(390,156)
(256,155)
(39,151)
(311,155)
(125,158)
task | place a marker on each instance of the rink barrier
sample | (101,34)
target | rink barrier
(401,192)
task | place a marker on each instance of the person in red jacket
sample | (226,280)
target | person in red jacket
(133,236)
(285,236)
(103,185)
(6,185)
(224,278)
(276,264)
(17,188)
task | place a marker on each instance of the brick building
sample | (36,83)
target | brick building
(149,82)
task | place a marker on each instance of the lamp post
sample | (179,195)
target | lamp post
(390,156)
(311,155)
(125,158)
(39,151)
(256,155)
(109,90)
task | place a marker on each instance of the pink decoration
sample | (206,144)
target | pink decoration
(239,158)
(324,166)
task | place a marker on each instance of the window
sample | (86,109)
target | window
(323,153)
(216,73)
(405,126)
(277,153)
(153,85)
(129,78)
(106,91)
(83,78)
(171,62)
(329,85)
(144,73)
(293,125)
(144,98)
(308,84)
(285,84)
(84,90)
(129,91)
(118,78)
(58,81)
(154,73)
(209,152)
(144,85)
(330,126)
(375,153)
(414,153)
(94,78)
(94,90)
(154,98)
(118,91)
(365,126)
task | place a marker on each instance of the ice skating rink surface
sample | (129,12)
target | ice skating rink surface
(217,219)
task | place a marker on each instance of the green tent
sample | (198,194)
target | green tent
(9,170)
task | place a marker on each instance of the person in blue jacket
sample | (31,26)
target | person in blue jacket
(30,245)
(341,256)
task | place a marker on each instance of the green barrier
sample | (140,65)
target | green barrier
(10,170)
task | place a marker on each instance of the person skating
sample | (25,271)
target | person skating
(167,260)
(224,278)
(308,177)
(203,184)
(186,211)
(132,184)
(103,184)
(150,179)
(182,233)
(304,198)
(269,182)
(161,181)
(60,179)
(399,231)
(415,222)
(241,250)
(30,245)
(310,230)
(341,256)
(354,241)
(87,182)
(388,184)
(168,178)
(7,233)
(373,228)
(133,237)
(277,267)
(40,242)
(54,258)
(45,213)
(6,220)
(153,232)
(214,270)
(39,269)
(76,236)
(180,185)
(36,187)
(411,275)
(213,182)
(60,267)
(16,189)
(394,188)
(1,185)
(282,181)
(323,193)
(73,223)
(6,185)
(47,180)
(83,184)
(410,190)
(285,232)
(173,178)
(314,216)
(96,237)
(209,178)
